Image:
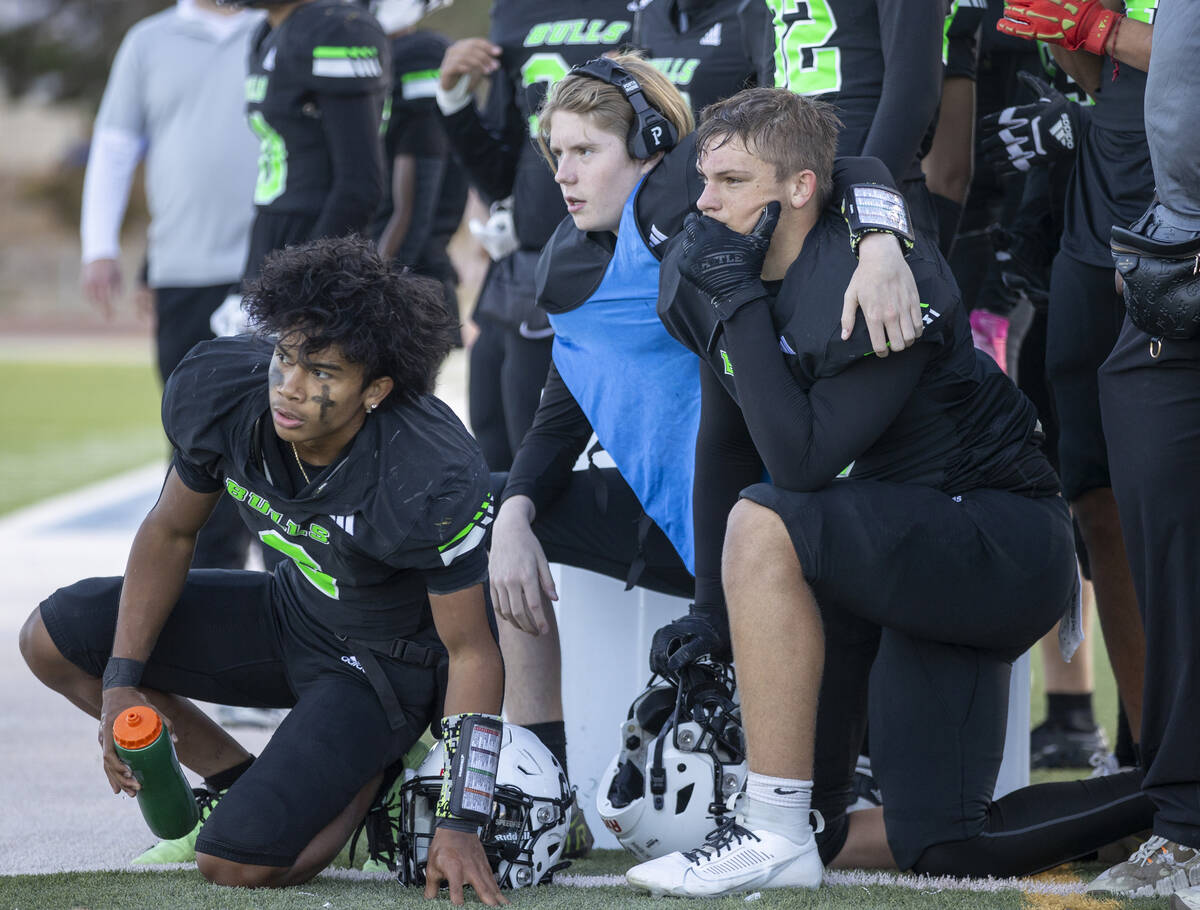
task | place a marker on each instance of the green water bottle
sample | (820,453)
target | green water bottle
(165,799)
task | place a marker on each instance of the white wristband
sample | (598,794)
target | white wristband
(451,101)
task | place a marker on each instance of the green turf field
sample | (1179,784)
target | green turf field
(67,425)
(586,885)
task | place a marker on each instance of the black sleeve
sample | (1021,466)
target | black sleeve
(427,186)
(542,466)
(851,170)
(415,129)
(807,436)
(911,34)
(726,463)
(194,476)
(758,30)
(351,124)
(489,152)
(448,544)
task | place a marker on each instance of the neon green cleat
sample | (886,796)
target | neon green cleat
(181,849)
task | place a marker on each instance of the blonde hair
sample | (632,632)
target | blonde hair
(606,103)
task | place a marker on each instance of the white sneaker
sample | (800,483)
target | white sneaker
(1187,899)
(732,859)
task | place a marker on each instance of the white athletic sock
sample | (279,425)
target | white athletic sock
(778,804)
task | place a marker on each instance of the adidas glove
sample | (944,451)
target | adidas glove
(725,265)
(700,634)
(1018,138)
(1073,24)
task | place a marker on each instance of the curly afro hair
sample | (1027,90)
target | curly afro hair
(338,291)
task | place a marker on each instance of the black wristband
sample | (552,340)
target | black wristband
(458,824)
(122,671)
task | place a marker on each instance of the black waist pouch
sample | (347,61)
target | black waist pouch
(1162,281)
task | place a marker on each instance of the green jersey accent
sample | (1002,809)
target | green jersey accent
(799,33)
(544,67)
(728,364)
(272,161)
(309,567)
(471,535)
(576,31)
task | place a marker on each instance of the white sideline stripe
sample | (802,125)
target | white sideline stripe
(924,883)
(69,505)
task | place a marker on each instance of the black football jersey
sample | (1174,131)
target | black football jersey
(415,128)
(964,426)
(878,61)
(1112,182)
(708,55)
(540,43)
(326,47)
(401,513)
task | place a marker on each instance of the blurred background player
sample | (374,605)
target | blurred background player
(949,163)
(426,191)
(174,97)
(530,47)
(315,94)
(709,49)
(880,65)
(1111,183)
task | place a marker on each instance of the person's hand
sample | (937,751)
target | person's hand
(725,265)
(686,640)
(101,281)
(471,57)
(457,858)
(1073,24)
(1016,138)
(521,583)
(884,289)
(113,702)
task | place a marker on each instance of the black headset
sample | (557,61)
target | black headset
(650,132)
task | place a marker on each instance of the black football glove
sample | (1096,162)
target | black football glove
(726,265)
(1037,134)
(688,639)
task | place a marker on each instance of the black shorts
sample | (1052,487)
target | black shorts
(228,641)
(950,590)
(1084,321)
(597,523)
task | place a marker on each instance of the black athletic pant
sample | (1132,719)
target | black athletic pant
(576,530)
(231,640)
(504,384)
(181,322)
(1083,322)
(1151,403)
(950,590)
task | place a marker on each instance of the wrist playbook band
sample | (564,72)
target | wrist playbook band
(122,671)
(871,207)
(472,744)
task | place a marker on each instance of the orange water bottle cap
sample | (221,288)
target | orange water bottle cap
(137,727)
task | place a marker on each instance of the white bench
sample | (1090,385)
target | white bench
(606,634)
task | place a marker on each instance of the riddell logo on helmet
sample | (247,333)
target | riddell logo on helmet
(612,825)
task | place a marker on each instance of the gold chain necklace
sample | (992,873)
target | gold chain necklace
(300,464)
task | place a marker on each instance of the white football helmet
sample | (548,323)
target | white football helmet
(530,811)
(394,15)
(682,757)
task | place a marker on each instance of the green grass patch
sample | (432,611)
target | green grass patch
(70,424)
(154,890)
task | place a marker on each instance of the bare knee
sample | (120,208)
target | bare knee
(241,875)
(756,543)
(41,654)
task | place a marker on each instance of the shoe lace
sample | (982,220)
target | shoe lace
(382,829)
(1146,853)
(206,800)
(1103,764)
(725,836)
